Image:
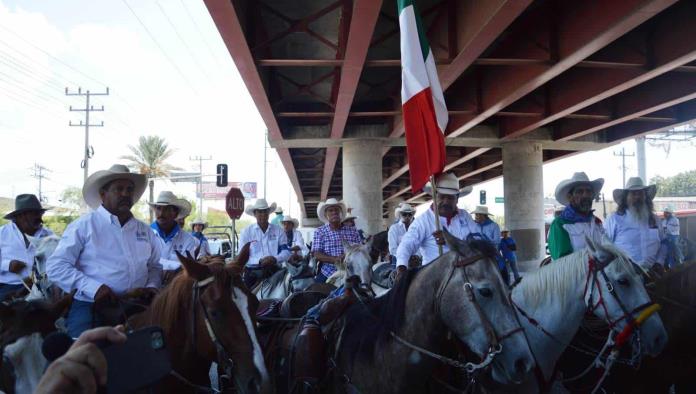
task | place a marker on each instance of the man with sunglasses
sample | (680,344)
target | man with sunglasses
(405,214)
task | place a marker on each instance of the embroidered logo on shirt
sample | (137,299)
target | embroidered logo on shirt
(140,236)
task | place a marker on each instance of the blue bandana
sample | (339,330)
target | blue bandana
(199,235)
(161,233)
(571,216)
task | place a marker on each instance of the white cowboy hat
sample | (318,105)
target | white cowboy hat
(331,202)
(482,209)
(668,209)
(167,198)
(90,190)
(288,218)
(579,178)
(349,217)
(199,221)
(184,209)
(259,205)
(635,183)
(504,230)
(405,208)
(448,183)
(279,209)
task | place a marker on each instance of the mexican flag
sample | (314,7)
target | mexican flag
(423,105)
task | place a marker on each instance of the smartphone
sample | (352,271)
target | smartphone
(138,363)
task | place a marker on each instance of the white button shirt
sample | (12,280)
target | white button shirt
(419,235)
(671,226)
(641,243)
(182,242)
(96,250)
(577,232)
(264,244)
(394,236)
(13,247)
(298,240)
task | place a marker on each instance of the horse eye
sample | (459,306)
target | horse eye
(486,292)
(623,282)
(215,314)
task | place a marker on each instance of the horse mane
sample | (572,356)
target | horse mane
(172,306)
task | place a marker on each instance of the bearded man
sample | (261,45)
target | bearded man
(634,228)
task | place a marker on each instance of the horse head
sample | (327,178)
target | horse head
(358,263)
(20,318)
(224,327)
(614,291)
(471,297)
(44,247)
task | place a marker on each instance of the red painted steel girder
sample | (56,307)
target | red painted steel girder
(362,25)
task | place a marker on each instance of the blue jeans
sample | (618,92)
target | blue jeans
(80,318)
(320,278)
(7,289)
(512,262)
(313,312)
(674,255)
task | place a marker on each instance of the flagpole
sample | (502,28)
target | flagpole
(438,227)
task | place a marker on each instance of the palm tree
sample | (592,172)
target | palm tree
(149,158)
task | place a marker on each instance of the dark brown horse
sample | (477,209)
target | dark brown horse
(208,315)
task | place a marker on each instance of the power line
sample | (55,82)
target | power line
(164,53)
(623,155)
(89,151)
(39,174)
(205,42)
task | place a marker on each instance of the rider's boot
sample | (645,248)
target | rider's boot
(309,354)
(332,308)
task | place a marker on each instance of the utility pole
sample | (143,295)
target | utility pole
(39,174)
(89,151)
(265,140)
(623,155)
(200,159)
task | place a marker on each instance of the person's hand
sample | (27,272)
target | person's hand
(83,368)
(439,237)
(17,266)
(267,261)
(400,271)
(295,249)
(104,294)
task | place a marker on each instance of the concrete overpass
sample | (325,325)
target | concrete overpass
(526,82)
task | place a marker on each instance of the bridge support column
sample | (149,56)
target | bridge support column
(310,222)
(523,181)
(362,182)
(391,208)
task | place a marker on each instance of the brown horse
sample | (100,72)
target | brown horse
(208,315)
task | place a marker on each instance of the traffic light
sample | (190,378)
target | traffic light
(482,197)
(221,175)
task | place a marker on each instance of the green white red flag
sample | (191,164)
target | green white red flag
(423,105)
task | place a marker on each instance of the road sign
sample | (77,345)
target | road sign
(221,175)
(482,197)
(234,203)
(499,200)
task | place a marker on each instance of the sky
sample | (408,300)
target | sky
(169,74)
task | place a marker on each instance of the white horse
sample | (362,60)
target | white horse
(42,286)
(281,284)
(356,262)
(557,296)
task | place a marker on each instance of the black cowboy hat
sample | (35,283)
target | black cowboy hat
(24,203)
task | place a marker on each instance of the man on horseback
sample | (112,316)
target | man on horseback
(184,212)
(171,237)
(327,245)
(405,214)
(296,243)
(269,245)
(197,227)
(106,252)
(422,234)
(634,228)
(568,230)
(670,226)
(16,251)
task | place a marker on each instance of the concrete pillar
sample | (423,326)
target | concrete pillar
(391,207)
(362,182)
(311,222)
(640,157)
(523,182)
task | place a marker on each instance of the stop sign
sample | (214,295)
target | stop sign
(234,203)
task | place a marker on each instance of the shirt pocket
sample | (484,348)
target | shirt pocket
(143,251)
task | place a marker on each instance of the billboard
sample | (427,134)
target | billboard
(212,192)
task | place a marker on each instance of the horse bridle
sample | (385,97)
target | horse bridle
(495,345)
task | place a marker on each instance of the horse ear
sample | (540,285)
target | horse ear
(61,307)
(192,268)
(456,244)
(369,242)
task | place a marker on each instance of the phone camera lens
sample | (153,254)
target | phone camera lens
(157,341)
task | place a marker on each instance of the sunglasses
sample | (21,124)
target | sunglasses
(406,215)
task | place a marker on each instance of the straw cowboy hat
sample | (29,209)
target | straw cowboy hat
(331,202)
(259,205)
(635,183)
(481,209)
(288,218)
(167,198)
(448,183)
(25,203)
(90,190)
(185,209)
(579,178)
(279,209)
(668,209)
(405,208)
(199,221)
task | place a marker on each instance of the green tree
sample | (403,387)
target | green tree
(71,200)
(150,157)
(680,185)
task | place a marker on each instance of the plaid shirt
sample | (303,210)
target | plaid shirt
(329,241)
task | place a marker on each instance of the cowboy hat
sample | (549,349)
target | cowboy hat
(635,183)
(504,230)
(349,217)
(199,221)
(668,209)
(481,209)
(448,183)
(331,202)
(579,178)
(90,190)
(279,209)
(259,205)
(185,209)
(288,218)
(167,198)
(24,203)
(405,208)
